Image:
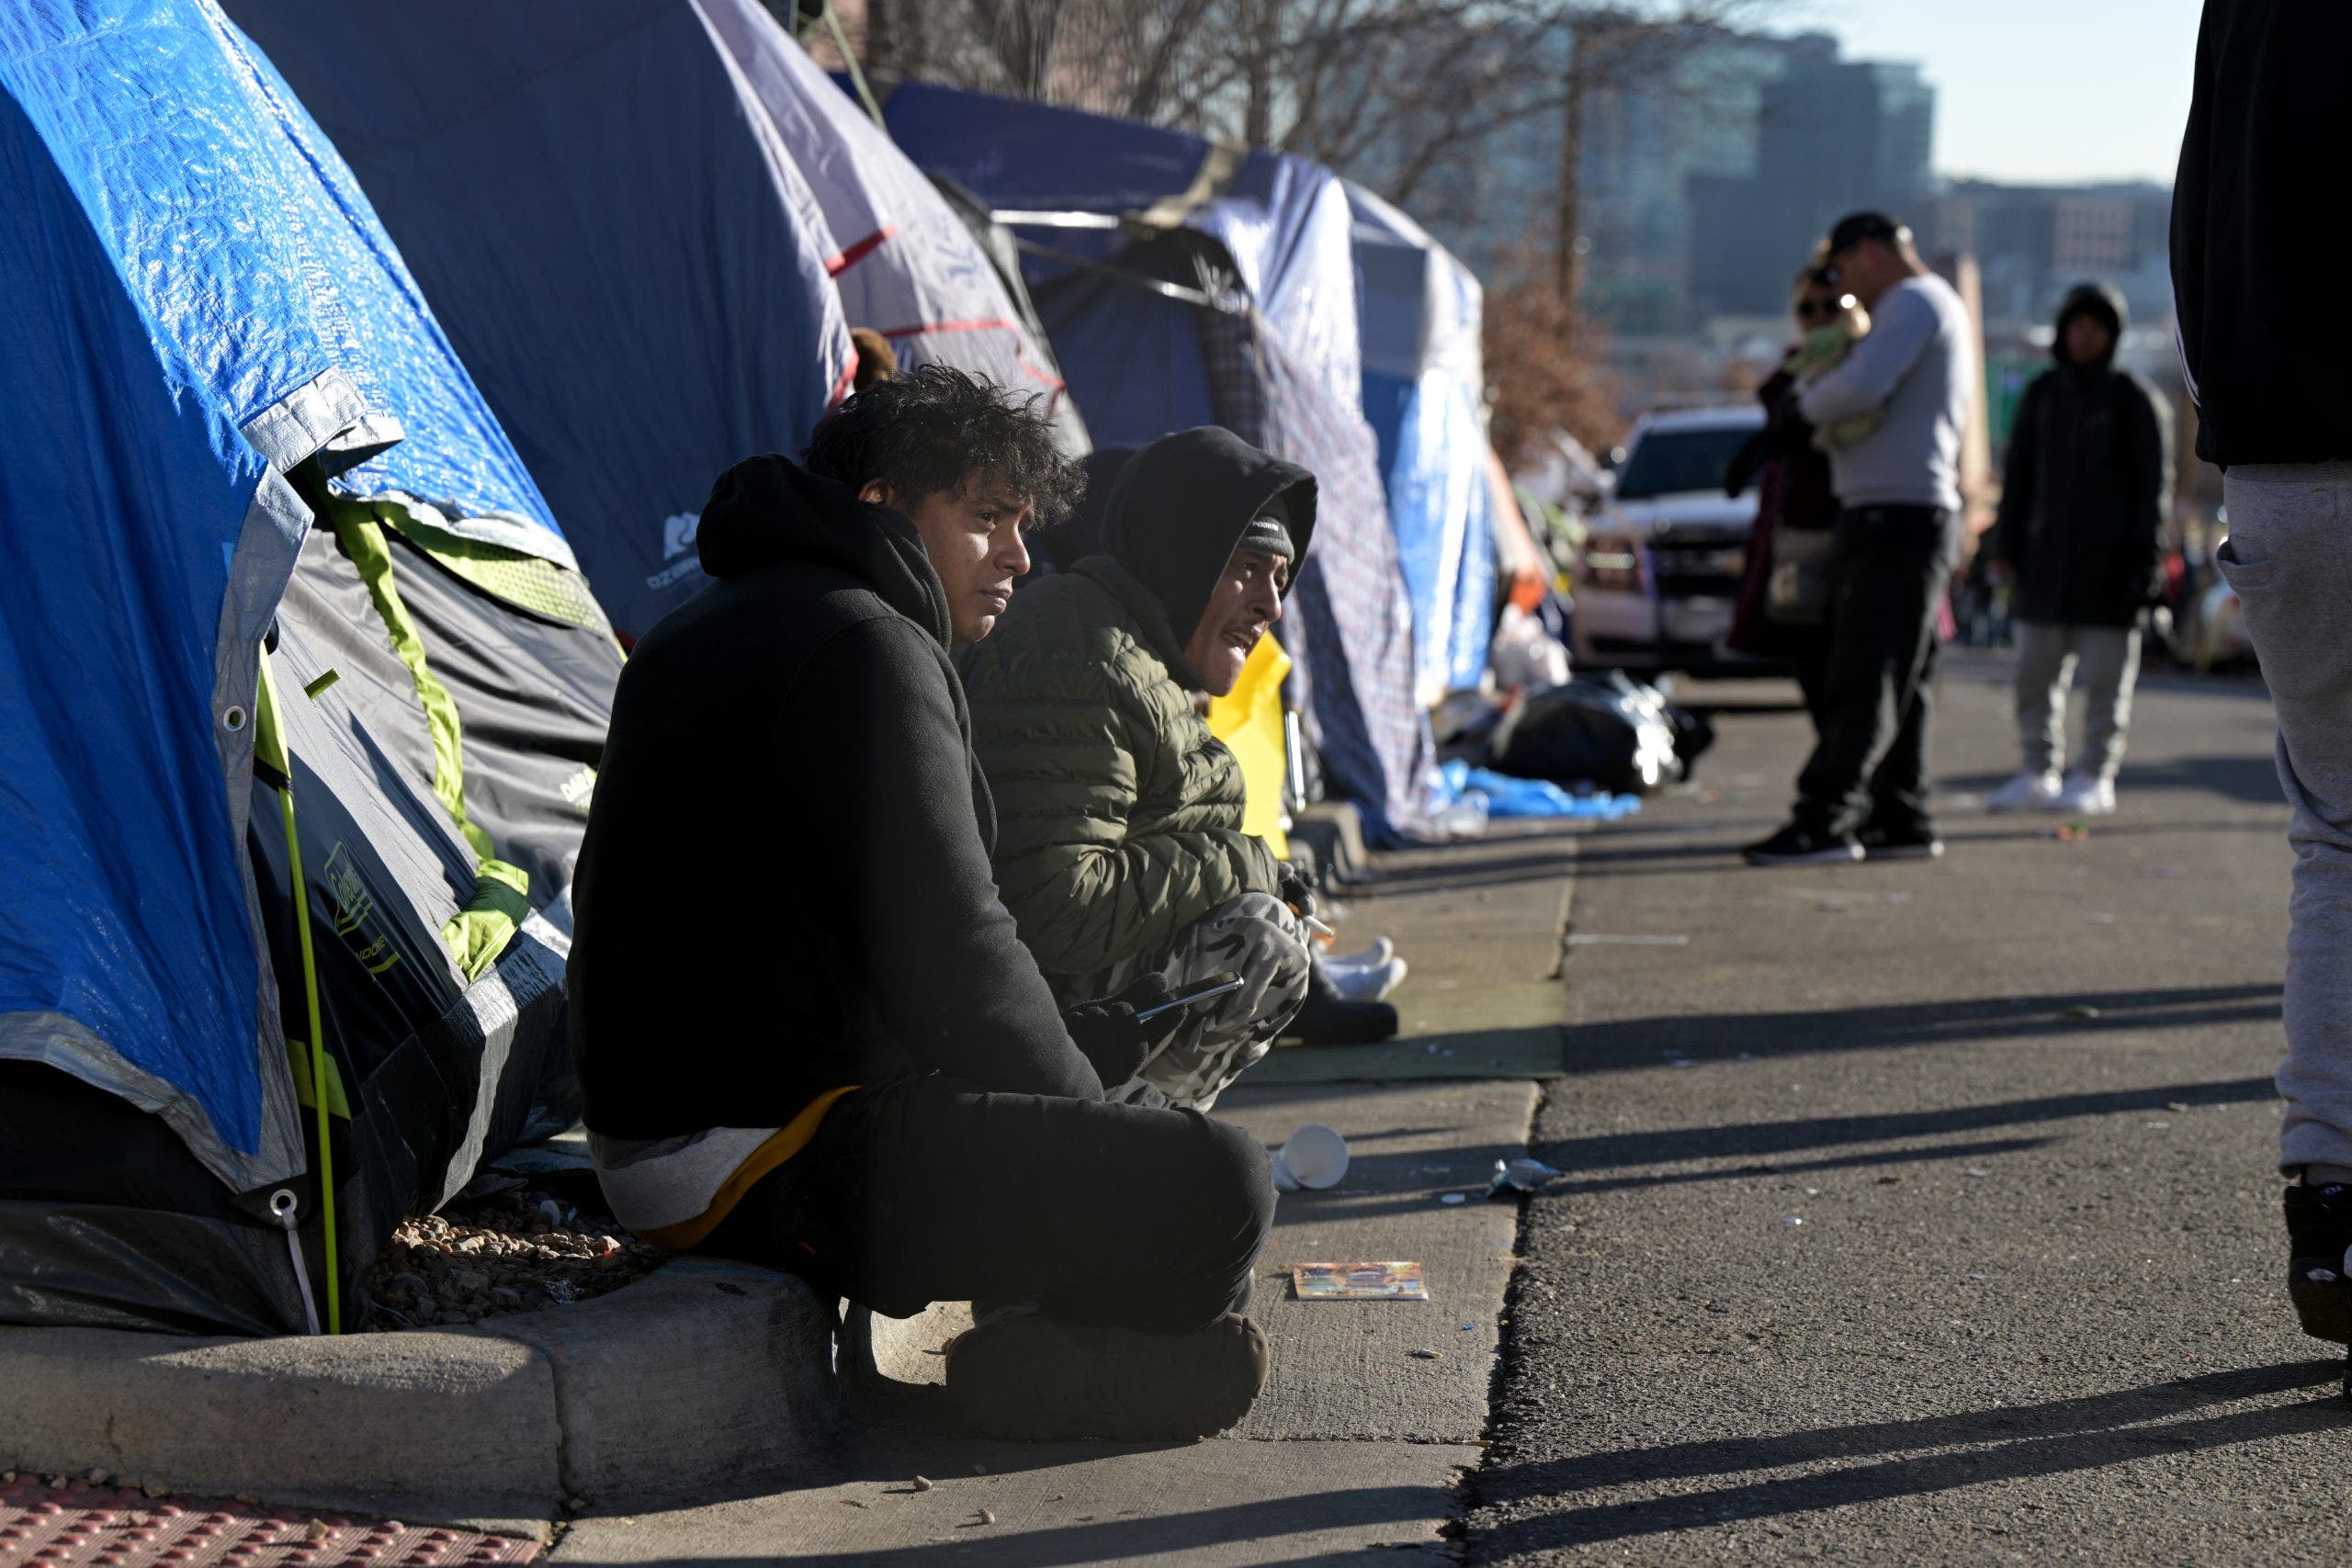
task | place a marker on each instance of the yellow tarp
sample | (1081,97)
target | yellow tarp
(1249,719)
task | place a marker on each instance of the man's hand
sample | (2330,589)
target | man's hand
(1109,1035)
(1295,887)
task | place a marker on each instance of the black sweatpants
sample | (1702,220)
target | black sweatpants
(1888,572)
(932,1191)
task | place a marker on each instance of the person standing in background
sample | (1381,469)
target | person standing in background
(2078,535)
(2265,326)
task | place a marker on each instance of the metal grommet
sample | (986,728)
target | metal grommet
(234,718)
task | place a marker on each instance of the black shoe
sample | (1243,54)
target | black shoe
(2319,1230)
(1916,842)
(1330,1019)
(1036,1378)
(1798,845)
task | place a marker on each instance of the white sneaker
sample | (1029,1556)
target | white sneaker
(1368,985)
(2084,795)
(2027,791)
(1371,957)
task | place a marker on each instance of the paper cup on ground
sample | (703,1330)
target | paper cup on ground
(1315,1157)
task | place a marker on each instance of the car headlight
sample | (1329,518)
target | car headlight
(1612,563)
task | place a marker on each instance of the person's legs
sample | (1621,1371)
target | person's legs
(1894,563)
(2110,670)
(2289,559)
(1257,937)
(2045,665)
(1899,791)
(929,1191)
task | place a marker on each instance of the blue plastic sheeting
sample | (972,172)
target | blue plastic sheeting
(615,234)
(1507,797)
(1424,393)
(1281,367)
(191,290)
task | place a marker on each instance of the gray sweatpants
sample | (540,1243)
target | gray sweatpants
(2047,655)
(2289,559)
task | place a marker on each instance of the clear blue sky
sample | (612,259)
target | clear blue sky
(2045,91)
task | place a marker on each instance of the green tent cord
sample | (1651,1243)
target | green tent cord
(269,746)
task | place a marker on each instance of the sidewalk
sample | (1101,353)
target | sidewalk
(1924,1212)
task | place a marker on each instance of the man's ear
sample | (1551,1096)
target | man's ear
(875,493)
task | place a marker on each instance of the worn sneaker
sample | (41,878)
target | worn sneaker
(2083,795)
(1796,845)
(1039,1380)
(2027,791)
(2319,1231)
(1917,842)
(1370,984)
(1371,957)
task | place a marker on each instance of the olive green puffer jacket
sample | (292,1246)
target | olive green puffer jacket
(1118,815)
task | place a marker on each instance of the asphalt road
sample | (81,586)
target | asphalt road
(1924,1212)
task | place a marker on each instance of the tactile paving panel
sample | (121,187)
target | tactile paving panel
(45,1526)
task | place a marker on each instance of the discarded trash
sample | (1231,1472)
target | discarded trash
(2320,1276)
(2082,1009)
(1359,1281)
(987,1517)
(1792,1219)
(1976,1170)
(922,1483)
(2071,832)
(1315,1156)
(1456,1198)
(1427,1355)
(2175,1105)
(1516,1175)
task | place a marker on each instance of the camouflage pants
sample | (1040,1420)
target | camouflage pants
(1258,938)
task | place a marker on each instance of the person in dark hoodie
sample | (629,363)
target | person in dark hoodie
(808,1033)
(2078,537)
(2265,328)
(1120,853)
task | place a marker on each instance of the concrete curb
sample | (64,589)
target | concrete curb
(702,1373)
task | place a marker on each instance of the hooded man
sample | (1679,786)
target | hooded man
(2082,515)
(1120,853)
(808,1033)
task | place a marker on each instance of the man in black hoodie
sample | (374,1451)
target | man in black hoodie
(2265,327)
(2081,523)
(808,1032)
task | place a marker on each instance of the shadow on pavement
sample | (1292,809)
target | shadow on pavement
(1617,1043)
(1675,1144)
(2053,1438)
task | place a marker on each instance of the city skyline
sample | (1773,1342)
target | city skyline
(2040,92)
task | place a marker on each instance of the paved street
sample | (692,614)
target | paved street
(1924,1211)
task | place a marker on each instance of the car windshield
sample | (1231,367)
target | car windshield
(1678,462)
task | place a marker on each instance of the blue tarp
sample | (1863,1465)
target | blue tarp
(193,296)
(1279,365)
(1424,392)
(615,232)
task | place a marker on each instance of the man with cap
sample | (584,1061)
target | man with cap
(2082,518)
(1119,850)
(1864,790)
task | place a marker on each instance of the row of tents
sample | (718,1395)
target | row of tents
(367,368)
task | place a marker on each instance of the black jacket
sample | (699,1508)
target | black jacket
(785,887)
(2260,232)
(2084,495)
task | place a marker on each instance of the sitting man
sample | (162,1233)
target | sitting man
(1120,851)
(808,1035)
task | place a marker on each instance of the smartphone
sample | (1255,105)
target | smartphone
(1215,986)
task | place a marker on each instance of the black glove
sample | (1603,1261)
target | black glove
(1110,1036)
(1789,429)
(1752,455)
(1294,886)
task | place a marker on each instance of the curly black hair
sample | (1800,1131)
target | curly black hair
(935,428)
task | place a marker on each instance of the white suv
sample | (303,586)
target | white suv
(1661,567)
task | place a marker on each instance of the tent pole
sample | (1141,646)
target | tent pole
(856,76)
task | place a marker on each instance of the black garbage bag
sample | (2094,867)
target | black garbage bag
(1609,731)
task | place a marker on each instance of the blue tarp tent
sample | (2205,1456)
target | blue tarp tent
(205,340)
(1424,391)
(1184,283)
(650,225)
